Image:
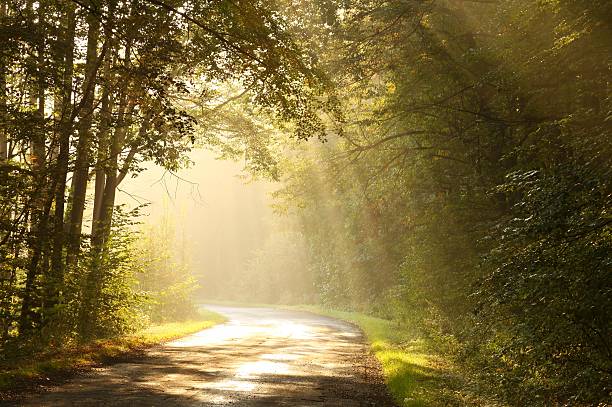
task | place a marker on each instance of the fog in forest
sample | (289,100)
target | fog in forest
(221,217)
(436,172)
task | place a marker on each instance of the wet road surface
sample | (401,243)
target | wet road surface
(260,357)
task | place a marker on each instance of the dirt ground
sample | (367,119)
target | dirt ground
(261,357)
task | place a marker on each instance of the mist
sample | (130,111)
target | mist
(428,182)
(221,216)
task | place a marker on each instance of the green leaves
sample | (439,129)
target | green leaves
(550,276)
(469,184)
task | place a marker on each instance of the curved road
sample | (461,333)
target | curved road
(261,357)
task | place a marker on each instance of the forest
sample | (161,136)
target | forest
(442,164)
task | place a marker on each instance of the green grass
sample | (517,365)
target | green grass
(59,362)
(415,373)
(172,330)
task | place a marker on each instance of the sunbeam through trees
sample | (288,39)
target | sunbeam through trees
(443,166)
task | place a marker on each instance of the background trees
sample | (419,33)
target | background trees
(91,90)
(468,188)
(166,280)
(463,187)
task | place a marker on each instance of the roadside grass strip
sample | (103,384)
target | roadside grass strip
(62,361)
(415,375)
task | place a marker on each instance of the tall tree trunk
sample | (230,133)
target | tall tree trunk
(116,175)
(87,313)
(109,169)
(103,153)
(63,156)
(108,102)
(39,137)
(80,176)
(3,112)
(39,200)
(94,276)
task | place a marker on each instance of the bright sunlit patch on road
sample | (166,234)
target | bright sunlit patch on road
(286,357)
(246,375)
(234,385)
(217,334)
(293,330)
(255,369)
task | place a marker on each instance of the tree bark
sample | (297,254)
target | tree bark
(117,175)
(94,277)
(63,157)
(107,191)
(3,112)
(80,176)
(39,202)
(108,102)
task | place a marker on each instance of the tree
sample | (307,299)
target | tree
(69,112)
(469,184)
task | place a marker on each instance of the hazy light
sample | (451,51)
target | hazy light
(217,334)
(293,330)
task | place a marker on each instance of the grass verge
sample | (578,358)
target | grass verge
(415,373)
(58,363)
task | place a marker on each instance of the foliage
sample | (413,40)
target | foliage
(165,279)
(89,92)
(550,278)
(415,372)
(54,363)
(468,191)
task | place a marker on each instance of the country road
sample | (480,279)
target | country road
(260,357)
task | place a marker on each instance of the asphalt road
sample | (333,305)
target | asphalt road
(261,357)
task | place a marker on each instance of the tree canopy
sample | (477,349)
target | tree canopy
(468,191)
(445,164)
